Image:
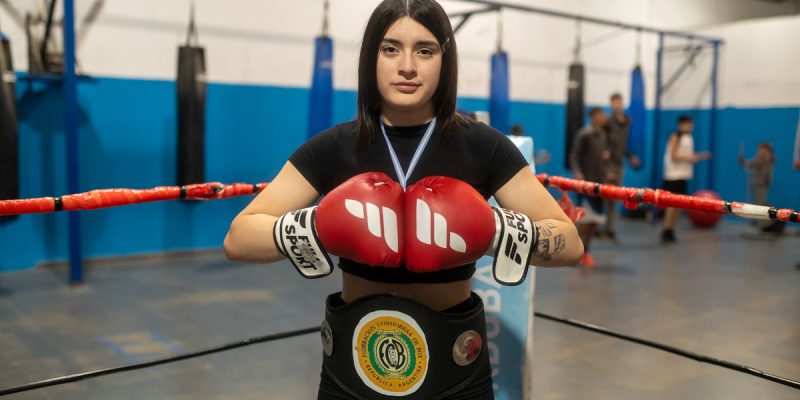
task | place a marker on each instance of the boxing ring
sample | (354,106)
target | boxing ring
(505,326)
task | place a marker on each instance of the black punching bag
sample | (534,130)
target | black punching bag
(575,111)
(9,131)
(191,109)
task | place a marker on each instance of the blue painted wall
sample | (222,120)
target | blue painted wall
(128,139)
(736,127)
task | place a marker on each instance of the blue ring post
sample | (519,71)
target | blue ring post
(71,131)
(712,140)
(657,111)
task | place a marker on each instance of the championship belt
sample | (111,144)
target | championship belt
(385,347)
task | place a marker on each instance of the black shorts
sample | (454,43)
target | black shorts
(377,326)
(679,186)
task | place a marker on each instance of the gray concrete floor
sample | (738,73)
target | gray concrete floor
(713,293)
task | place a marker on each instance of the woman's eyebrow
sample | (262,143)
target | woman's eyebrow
(396,42)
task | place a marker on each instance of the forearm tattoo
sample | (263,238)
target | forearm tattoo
(551,241)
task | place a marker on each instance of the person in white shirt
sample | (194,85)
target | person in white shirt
(679,161)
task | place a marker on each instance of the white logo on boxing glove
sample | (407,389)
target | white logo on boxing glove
(373,216)
(294,234)
(438,230)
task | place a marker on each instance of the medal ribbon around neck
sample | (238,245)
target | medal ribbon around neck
(401,175)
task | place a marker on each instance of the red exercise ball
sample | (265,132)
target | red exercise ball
(702,219)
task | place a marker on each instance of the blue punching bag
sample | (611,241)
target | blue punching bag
(498,97)
(320,111)
(636,135)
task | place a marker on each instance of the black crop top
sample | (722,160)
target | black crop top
(477,154)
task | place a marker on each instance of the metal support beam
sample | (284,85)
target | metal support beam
(70,87)
(473,12)
(48,27)
(679,48)
(678,72)
(712,140)
(467,15)
(88,22)
(597,21)
(461,23)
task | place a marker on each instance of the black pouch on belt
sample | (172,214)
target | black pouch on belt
(385,346)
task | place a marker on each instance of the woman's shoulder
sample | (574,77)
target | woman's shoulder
(339,134)
(341,129)
(473,130)
(348,126)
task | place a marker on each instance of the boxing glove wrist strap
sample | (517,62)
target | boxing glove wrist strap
(515,240)
(296,238)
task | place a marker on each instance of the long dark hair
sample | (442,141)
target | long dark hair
(681,120)
(429,14)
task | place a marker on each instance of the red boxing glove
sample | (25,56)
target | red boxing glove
(447,224)
(439,223)
(361,220)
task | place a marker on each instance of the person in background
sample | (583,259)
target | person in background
(679,161)
(760,176)
(543,155)
(617,129)
(589,160)
(759,180)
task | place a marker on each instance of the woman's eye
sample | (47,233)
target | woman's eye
(425,52)
(389,50)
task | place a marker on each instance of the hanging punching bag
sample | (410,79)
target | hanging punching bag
(636,135)
(320,111)
(9,131)
(498,97)
(191,87)
(574,107)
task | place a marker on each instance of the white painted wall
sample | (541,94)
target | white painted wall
(693,14)
(759,66)
(252,42)
(761,62)
(540,48)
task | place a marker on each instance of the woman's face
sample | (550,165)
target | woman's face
(408,66)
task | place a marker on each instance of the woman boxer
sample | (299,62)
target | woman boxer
(405,324)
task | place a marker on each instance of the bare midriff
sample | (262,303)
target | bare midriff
(438,296)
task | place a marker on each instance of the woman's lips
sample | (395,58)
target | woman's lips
(407,88)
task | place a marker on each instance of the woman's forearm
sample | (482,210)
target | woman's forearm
(559,244)
(250,239)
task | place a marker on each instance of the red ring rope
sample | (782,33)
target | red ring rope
(103,198)
(631,198)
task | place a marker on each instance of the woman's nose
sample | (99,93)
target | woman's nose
(407,64)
